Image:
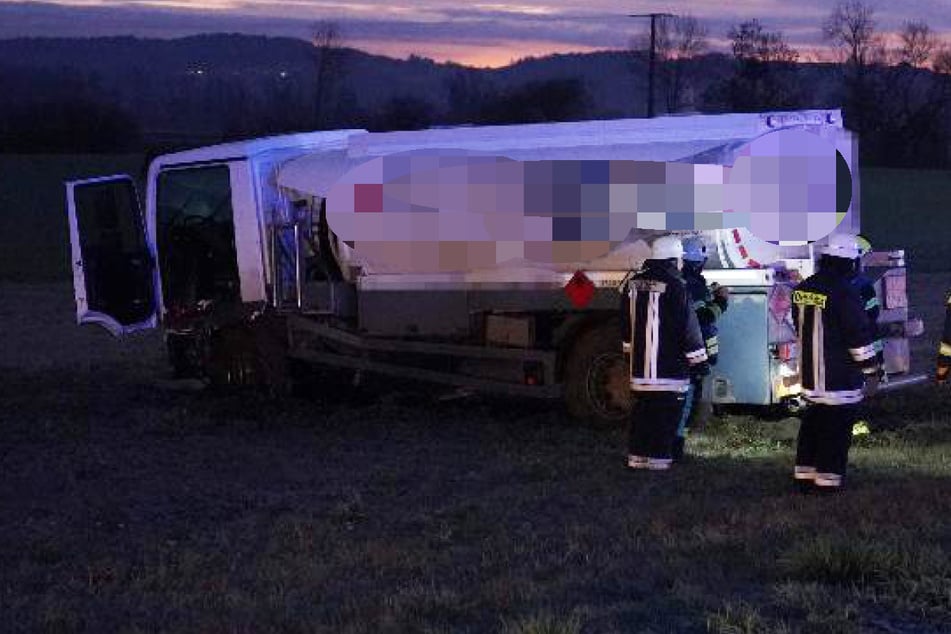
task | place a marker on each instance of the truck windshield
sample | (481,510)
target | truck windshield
(195,227)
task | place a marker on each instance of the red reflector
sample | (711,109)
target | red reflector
(786,351)
(579,290)
(534,373)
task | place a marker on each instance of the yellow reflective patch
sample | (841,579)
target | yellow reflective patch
(810,299)
(945,349)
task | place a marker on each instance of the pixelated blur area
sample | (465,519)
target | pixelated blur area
(787,188)
(455,210)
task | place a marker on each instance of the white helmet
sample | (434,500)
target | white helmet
(667,247)
(841,245)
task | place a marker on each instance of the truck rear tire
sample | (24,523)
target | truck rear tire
(183,356)
(595,381)
(252,355)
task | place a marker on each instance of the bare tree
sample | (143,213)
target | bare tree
(677,40)
(766,75)
(942,61)
(327,43)
(917,44)
(683,39)
(751,43)
(903,110)
(851,27)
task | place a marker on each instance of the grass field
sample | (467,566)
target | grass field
(34,244)
(130,505)
(911,210)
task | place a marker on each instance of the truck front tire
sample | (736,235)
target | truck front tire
(595,380)
(183,356)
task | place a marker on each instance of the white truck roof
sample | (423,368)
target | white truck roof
(696,138)
(699,138)
(253,148)
(311,163)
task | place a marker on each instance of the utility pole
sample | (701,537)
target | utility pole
(650,76)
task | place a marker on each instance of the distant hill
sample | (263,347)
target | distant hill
(136,71)
(218,86)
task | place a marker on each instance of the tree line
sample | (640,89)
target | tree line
(896,94)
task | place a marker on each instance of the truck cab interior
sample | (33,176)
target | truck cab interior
(195,234)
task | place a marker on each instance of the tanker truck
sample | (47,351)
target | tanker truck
(235,260)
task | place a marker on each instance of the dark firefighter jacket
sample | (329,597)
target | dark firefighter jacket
(835,337)
(944,350)
(873,308)
(707,307)
(661,334)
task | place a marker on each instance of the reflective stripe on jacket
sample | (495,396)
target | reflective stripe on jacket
(944,349)
(708,309)
(872,307)
(661,334)
(836,341)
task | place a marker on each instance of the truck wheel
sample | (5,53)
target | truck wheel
(183,356)
(249,356)
(231,358)
(596,381)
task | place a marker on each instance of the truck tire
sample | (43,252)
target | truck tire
(250,356)
(595,381)
(183,356)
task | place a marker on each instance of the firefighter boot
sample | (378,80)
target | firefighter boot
(828,483)
(659,464)
(637,462)
(805,478)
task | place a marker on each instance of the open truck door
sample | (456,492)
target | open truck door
(114,275)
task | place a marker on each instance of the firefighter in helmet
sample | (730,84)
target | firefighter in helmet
(839,365)
(866,290)
(709,302)
(662,339)
(944,349)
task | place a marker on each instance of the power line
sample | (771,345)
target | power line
(650,76)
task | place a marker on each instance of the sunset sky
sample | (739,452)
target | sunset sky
(481,33)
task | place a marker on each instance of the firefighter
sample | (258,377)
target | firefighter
(944,350)
(866,290)
(662,338)
(838,365)
(709,302)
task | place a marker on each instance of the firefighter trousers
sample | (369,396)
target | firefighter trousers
(696,409)
(825,436)
(654,420)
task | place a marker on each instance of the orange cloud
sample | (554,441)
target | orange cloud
(492,55)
